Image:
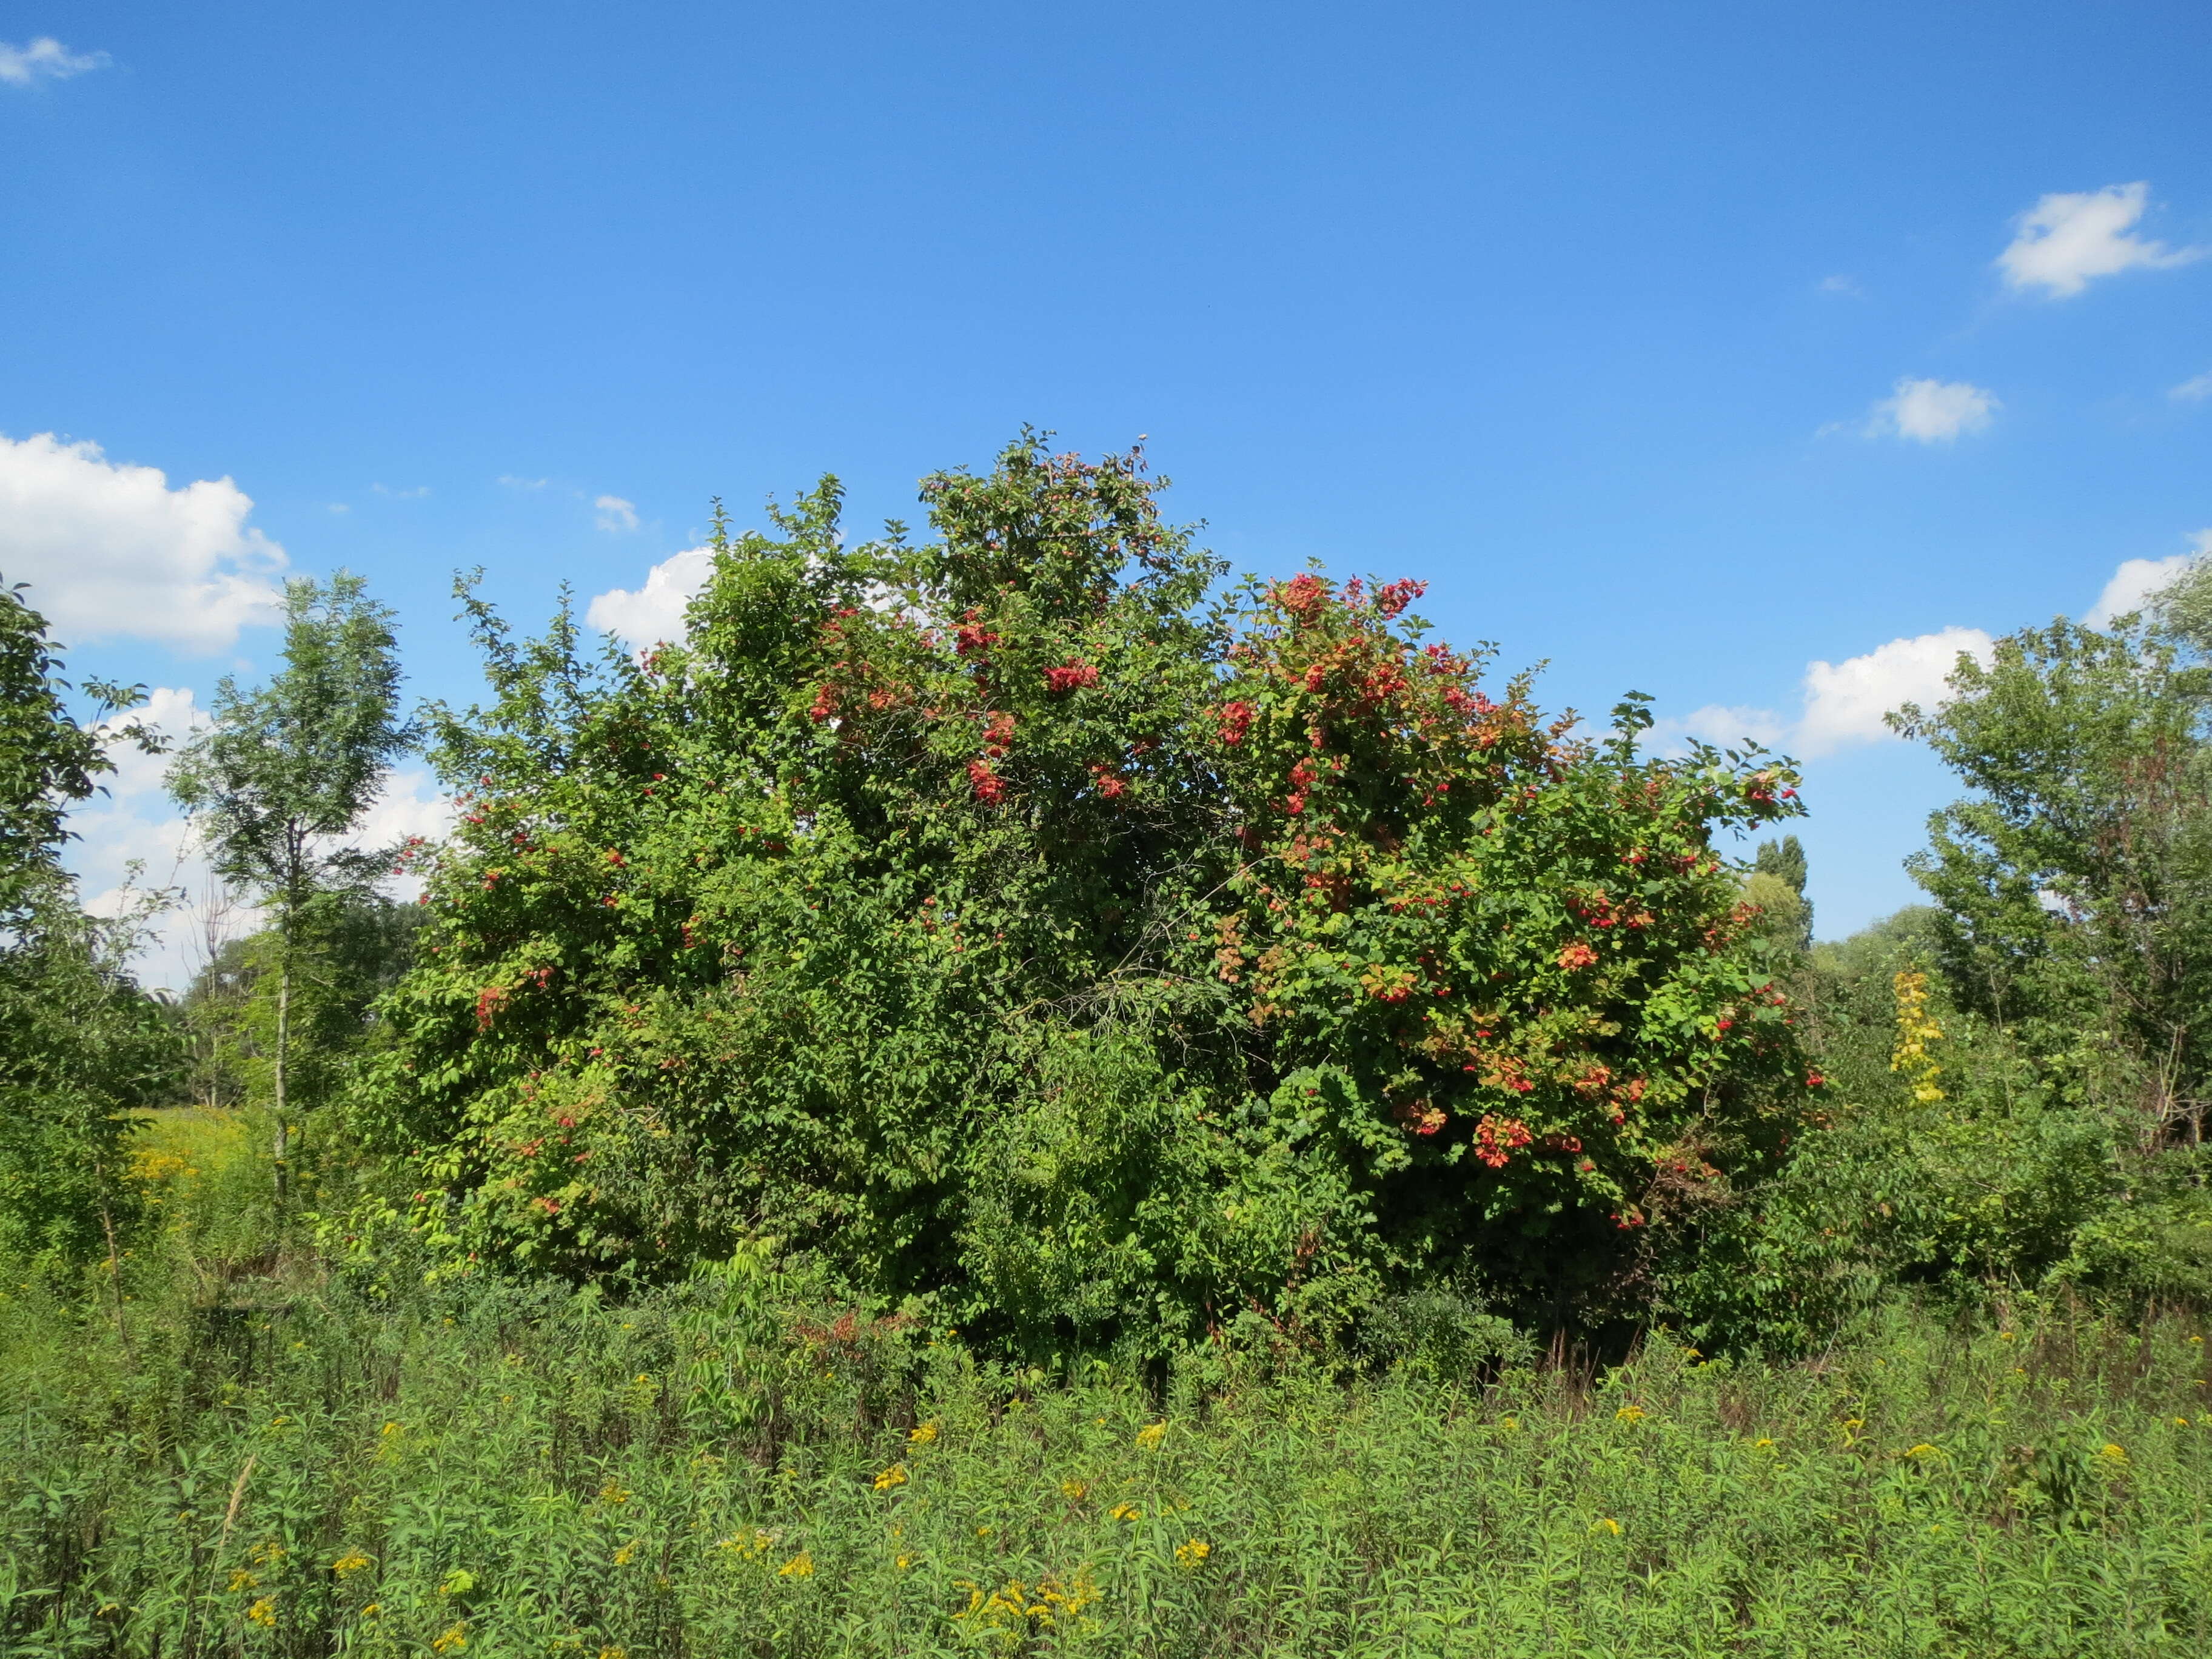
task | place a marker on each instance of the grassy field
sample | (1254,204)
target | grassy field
(302,1460)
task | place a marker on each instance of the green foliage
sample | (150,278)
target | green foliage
(83,1045)
(79,1043)
(2013,1174)
(731,1466)
(1000,919)
(2074,887)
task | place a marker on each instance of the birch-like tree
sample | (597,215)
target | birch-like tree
(281,778)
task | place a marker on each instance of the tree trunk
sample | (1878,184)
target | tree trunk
(281,1149)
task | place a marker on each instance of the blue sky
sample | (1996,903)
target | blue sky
(1680,347)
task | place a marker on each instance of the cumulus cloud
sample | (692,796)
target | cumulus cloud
(1724,725)
(110,549)
(1847,287)
(615,513)
(2136,580)
(1932,411)
(1845,701)
(45,58)
(2193,390)
(654,613)
(2070,238)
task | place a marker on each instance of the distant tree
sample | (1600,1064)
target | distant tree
(280,778)
(1777,885)
(354,948)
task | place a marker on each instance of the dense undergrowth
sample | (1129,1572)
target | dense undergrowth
(274,1458)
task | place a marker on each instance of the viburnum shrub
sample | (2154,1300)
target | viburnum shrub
(1020,928)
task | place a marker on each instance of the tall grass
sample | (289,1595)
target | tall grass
(351,1461)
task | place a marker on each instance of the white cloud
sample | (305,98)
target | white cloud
(2193,390)
(1721,725)
(414,494)
(654,613)
(2136,580)
(111,550)
(1931,411)
(615,513)
(513,483)
(2067,238)
(1845,701)
(46,56)
(1848,287)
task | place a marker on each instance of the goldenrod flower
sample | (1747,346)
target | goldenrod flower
(452,1641)
(1916,1030)
(1629,1414)
(893,1476)
(922,1433)
(1077,1490)
(1152,1434)
(242,1580)
(625,1555)
(1192,1554)
(800,1566)
(1126,1511)
(2113,1453)
(1606,1524)
(351,1561)
(614,1492)
(264,1613)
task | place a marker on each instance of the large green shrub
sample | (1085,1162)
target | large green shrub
(1012,926)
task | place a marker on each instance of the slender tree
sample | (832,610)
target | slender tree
(282,777)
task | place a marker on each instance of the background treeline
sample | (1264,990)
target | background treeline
(1014,959)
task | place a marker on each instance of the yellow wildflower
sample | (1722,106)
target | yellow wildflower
(1152,1434)
(1916,1030)
(2113,1453)
(893,1476)
(1629,1414)
(626,1554)
(1606,1524)
(614,1492)
(614,1653)
(389,1430)
(242,1580)
(1762,1444)
(903,1562)
(371,1610)
(351,1561)
(1511,1424)
(800,1566)
(1192,1555)
(1126,1511)
(1076,1490)
(264,1613)
(922,1433)
(1923,1449)
(452,1641)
